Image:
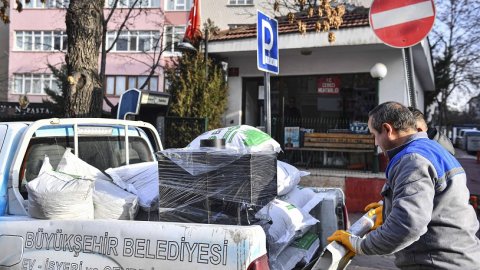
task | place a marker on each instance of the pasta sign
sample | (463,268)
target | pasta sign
(328,85)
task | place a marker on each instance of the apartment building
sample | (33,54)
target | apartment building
(3,61)
(236,13)
(36,37)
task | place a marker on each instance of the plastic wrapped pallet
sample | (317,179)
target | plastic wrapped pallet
(112,202)
(242,137)
(209,185)
(54,195)
(140,179)
(288,222)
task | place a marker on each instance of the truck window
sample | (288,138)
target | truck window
(100,146)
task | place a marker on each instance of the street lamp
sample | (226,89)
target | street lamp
(187,46)
(378,72)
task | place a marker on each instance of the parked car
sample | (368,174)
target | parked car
(459,141)
(471,141)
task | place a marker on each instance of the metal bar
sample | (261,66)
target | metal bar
(409,76)
(268,109)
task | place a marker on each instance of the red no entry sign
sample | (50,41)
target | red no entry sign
(402,24)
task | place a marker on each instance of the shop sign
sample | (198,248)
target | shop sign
(328,85)
(13,108)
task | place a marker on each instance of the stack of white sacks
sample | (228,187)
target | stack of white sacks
(288,229)
(77,190)
(286,220)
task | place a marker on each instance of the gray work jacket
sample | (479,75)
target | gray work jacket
(428,222)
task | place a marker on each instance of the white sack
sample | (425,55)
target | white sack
(301,251)
(71,164)
(46,166)
(308,244)
(287,259)
(54,195)
(288,177)
(112,202)
(287,221)
(240,137)
(306,198)
(140,179)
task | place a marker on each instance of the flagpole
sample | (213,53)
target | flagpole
(206,53)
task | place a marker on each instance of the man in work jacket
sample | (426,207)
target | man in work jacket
(427,222)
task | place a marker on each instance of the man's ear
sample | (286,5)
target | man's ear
(387,128)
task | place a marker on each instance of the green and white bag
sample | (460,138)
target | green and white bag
(242,137)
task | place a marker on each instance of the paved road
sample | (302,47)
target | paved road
(362,262)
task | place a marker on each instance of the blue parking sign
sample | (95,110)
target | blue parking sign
(267,43)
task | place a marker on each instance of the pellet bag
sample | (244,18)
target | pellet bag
(112,202)
(54,195)
(240,137)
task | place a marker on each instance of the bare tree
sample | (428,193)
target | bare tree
(327,13)
(456,53)
(84,37)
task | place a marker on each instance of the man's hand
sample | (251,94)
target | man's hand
(348,240)
(375,208)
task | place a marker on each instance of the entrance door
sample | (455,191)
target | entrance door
(252,102)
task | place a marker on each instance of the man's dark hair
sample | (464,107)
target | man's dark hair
(417,114)
(394,113)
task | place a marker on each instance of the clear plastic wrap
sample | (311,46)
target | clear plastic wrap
(210,185)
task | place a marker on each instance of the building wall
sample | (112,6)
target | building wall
(3,61)
(224,14)
(118,63)
(333,60)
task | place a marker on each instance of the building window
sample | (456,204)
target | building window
(40,40)
(135,3)
(178,5)
(34,83)
(173,35)
(134,41)
(47,4)
(240,2)
(117,85)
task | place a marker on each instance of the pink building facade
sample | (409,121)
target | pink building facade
(37,37)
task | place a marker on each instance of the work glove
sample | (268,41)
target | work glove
(348,240)
(375,208)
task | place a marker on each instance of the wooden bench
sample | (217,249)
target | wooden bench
(339,142)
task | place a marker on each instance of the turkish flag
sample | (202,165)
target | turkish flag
(193,31)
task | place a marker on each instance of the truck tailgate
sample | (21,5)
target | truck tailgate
(112,244)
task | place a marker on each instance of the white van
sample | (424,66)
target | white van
(459,140)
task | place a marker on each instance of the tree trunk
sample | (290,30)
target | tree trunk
(84,31)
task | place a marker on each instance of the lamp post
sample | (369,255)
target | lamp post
(378,72)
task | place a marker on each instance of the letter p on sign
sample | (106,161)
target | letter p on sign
(267,44)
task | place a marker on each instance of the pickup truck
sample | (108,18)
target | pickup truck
(143,243)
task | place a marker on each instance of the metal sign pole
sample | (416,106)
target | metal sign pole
(409,76)
(268,107)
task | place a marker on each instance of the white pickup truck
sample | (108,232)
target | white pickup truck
(28,243)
